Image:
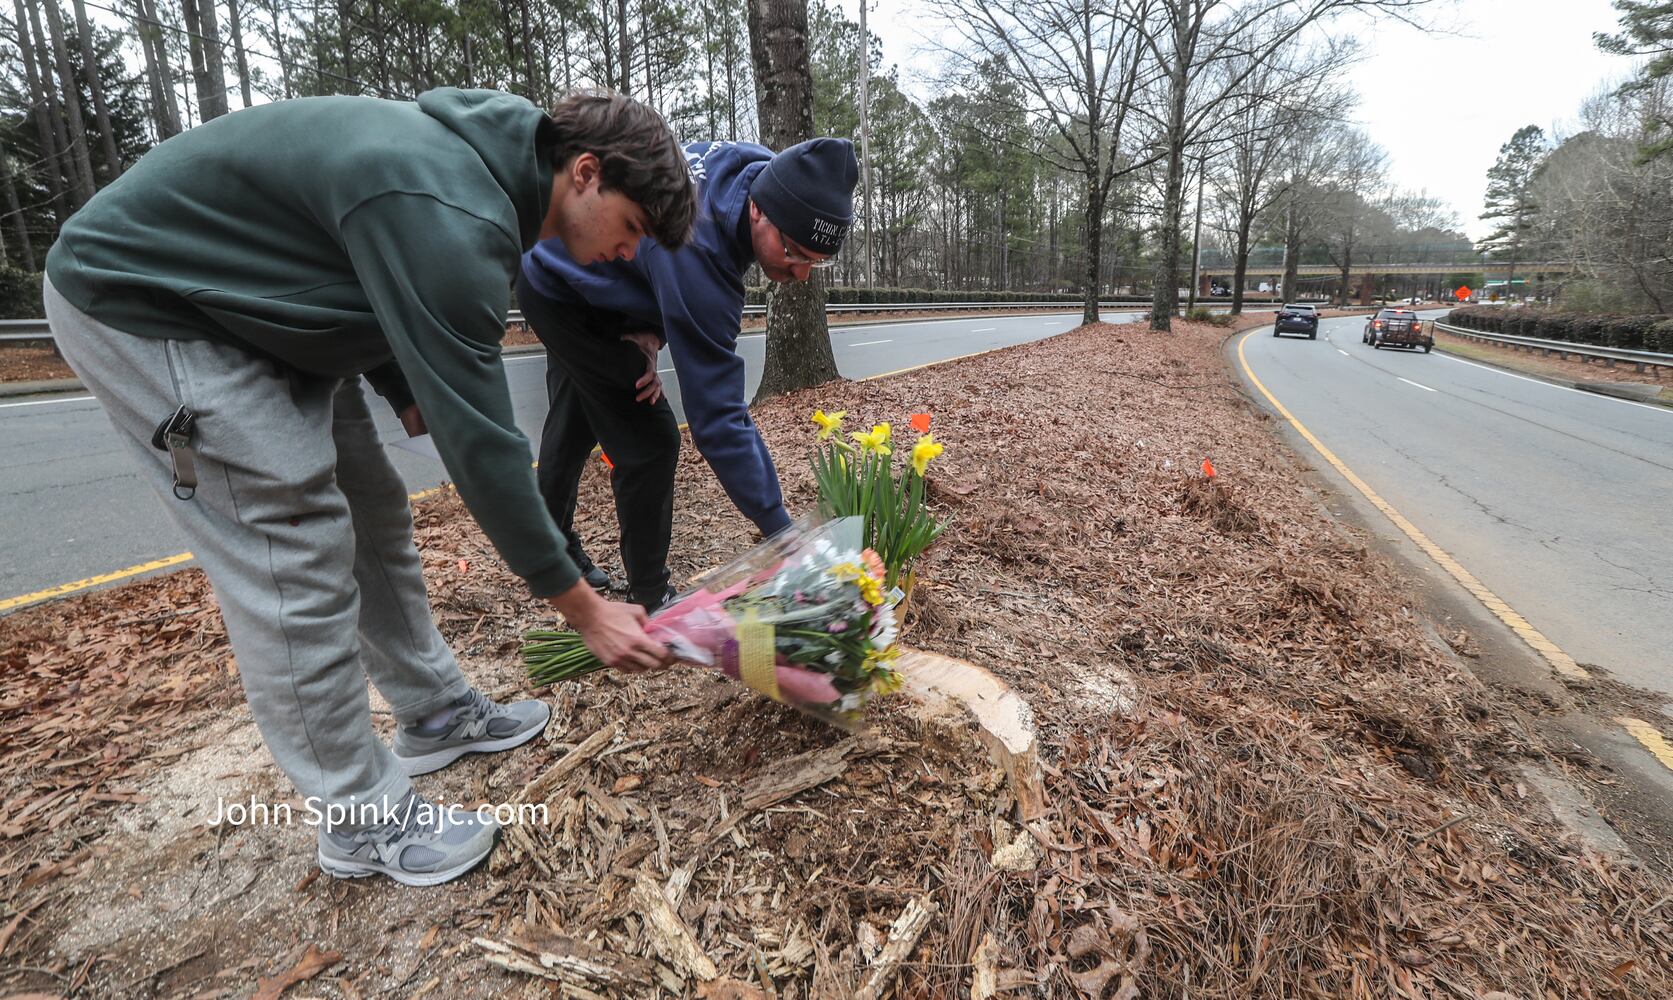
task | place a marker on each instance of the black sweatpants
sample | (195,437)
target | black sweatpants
(590,373)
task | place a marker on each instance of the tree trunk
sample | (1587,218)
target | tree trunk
(101,113)
(1292,254)
(380,47)
(240,59)
(154,76)
(1164,298)
(345,48)
(798,343)
(194,46)
(45,120)
(624,47)
(279,48)
(534,89)
(213,102)
(81,163)
(1095,195)
(15,213)
(1241,272)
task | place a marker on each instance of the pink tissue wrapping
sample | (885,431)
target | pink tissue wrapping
(702,620)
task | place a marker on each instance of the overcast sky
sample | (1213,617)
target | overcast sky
(1441,101)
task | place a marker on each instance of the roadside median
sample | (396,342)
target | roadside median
(1263,778)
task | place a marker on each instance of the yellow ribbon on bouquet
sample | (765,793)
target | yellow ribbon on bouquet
(757,658)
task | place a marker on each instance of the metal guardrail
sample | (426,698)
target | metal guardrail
(24,329)
(1564,348)
(36,329)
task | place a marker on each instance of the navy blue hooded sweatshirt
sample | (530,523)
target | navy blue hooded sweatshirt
(695,297)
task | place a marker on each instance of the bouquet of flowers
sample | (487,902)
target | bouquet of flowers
(802,618)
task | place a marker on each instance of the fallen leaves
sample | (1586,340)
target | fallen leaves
(312,963)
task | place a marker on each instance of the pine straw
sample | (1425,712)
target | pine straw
(1267,779)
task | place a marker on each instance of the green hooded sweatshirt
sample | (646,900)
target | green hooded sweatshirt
(333,234)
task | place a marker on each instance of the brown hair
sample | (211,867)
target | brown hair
(638,152)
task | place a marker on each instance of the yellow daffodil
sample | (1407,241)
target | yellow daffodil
(871,589)
(882,430)
(875,440)
(926,449)
(829,423)
(887,681)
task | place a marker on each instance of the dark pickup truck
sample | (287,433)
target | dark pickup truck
(1399,328)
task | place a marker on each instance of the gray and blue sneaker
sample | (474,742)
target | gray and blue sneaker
(424,844)
(477,725)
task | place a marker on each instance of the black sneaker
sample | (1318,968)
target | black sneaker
(596,578)
(655,601)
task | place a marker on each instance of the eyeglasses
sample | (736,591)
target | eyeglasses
(794,258)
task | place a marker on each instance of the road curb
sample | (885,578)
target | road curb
(1638,392)
(36,387)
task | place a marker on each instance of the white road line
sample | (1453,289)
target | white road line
(1418,384)
(868,343)
(1344,354)
(43,402)
(1553,385)
(663,371)
(984,329)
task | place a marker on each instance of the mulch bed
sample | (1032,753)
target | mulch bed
(30,363)
(1265,779)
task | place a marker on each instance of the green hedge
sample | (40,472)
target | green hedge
(1632,333)
(20,293)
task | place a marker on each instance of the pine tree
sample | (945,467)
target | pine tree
(1646,30)
(1510,200)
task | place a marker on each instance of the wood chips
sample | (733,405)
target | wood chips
(1263,778)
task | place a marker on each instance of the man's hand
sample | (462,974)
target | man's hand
(614,632)
(650,383)
(413,422)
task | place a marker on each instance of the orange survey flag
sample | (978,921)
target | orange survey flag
(602,457)
(920,423)
(1207,469)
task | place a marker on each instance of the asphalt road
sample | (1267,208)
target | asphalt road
(1556,499)
(74,507)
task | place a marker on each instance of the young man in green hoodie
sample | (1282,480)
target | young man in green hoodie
(221,299)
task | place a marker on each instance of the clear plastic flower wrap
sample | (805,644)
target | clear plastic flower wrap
(802,618)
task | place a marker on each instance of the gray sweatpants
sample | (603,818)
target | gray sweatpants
(302,526)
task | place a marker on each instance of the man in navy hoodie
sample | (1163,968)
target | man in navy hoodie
(603,323)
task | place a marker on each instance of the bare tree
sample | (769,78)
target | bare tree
(1189,40)
(1274,119)
(1076,65)
(1357,181)
(798,342)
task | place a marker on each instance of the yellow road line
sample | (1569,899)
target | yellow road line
(931,364)
(1561,661)
(76,586)
(179,558)
(1651,739)
(94,581)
